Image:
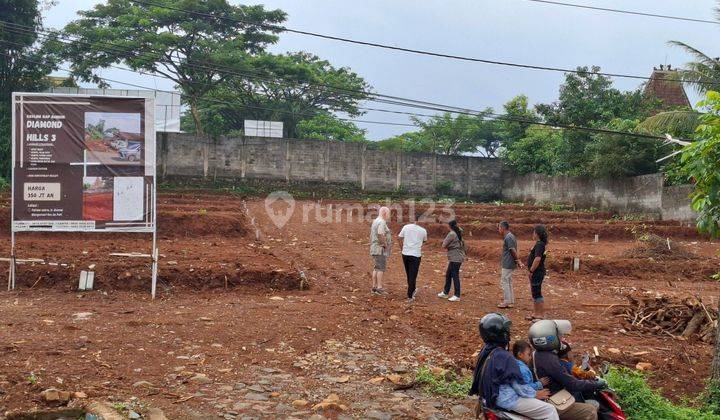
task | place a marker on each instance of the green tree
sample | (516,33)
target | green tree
(287,88)
(588,99)
(24,64)
(192,49)
(328,127)
(410,142)
(618,155)
(701,162)
(519,116)
(703,75)
(536,152)
(452,135)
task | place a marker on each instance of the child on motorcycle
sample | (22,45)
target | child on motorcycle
(523,355)
(497,379)
(577,371)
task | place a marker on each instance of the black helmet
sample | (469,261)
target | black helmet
(495,328)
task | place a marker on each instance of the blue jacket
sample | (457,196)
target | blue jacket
(528,376)
(501,370)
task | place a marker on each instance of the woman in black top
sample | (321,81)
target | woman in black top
(536,267)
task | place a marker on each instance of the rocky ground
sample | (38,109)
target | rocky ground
(256,320)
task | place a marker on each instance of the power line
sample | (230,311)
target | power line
(482,114)
(387,99)
(393,101)
(627,12)
(256,75)
(207,99)
(395,47)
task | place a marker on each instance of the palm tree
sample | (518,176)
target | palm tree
(703,75)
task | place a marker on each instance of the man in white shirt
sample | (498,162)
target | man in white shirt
(380,242)
(413,237)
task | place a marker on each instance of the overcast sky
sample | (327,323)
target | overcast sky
(506,30)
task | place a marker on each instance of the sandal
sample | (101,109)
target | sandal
(533,318)
(504,305)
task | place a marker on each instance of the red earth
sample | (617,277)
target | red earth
(238,293)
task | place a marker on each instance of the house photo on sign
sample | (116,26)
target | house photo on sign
(114,138)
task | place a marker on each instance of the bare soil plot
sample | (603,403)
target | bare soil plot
(247,326)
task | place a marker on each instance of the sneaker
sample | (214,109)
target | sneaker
(442,295)
(454,299)
(414,293)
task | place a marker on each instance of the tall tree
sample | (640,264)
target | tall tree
(288,88)
(703,75)
(24,63)
(412,141)
(452,135)
(519,118)
(701,161)
(328,127)
(589,99)
(195,43)
(620,155)
(536,152)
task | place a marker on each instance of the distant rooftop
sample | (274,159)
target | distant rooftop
(663,85)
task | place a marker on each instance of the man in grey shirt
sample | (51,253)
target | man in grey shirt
(509,261)
(380,241)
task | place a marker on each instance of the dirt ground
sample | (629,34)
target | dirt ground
(253,320)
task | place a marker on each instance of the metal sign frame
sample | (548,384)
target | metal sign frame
(152,194)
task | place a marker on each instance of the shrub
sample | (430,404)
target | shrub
(447,384)
(444,188)
(639,401)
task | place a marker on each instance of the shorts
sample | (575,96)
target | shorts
(380,262)
(536,281)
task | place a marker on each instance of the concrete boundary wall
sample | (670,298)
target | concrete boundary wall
(353,164)
(309,161)
(644,194)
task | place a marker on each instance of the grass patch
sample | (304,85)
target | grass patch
(441,382)
(640,402)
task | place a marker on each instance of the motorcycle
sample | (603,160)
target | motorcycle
(607,399)
(609,409)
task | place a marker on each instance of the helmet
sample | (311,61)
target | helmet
(546,334)
(495,328)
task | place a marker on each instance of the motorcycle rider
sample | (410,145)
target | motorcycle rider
(497,379)
(546,337)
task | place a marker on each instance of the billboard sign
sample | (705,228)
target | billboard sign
(83,163)
(255,128)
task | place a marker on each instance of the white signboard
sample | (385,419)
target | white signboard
(254,128)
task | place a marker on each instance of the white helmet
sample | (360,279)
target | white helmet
(546,334)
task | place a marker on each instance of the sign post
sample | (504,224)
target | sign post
(83,163)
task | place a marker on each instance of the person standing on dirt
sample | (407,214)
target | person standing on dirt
(509,261)
(456,255)
(380,242)
(536,268)
(413,237)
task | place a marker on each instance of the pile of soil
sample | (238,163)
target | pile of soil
(657,248)
(665,315)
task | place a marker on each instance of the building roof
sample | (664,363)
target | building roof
(664,85)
